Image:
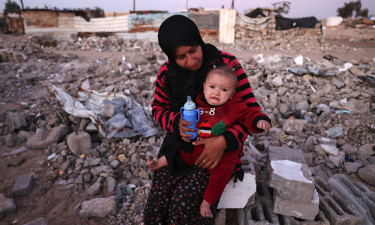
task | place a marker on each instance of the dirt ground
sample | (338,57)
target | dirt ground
(59,206)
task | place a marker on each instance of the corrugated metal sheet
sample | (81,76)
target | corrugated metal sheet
(109,24)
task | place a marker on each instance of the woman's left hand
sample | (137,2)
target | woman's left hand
(213,151)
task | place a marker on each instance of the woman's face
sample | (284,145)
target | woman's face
(189,57)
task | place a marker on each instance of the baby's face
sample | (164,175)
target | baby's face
(218,89)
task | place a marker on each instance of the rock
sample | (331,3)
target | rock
(44,138)
(15,121)
(277,81)
(367,149)
(7,206)
(352,167)
(304,105)
(30,77)
(349,149)
(23,185)
(367,174)
(331,149)
(354,70)
(294,126)
(99,207)
(79,143)
(337,159)
(111,185)
(95,189)
(16,161)
(283,108)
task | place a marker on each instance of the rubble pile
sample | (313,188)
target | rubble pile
(320,107)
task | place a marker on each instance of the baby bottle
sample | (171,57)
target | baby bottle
(191,114)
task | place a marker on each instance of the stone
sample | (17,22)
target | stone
(331,149)
(15,121)
(352,167)
(277,81)
(304,105)
(337,159)
(16,161)
(44,138)
(349,149)
(95,189)
(99,207)
(79,142)
(367,174)
(111,185)
(23,185)
(283,108)
(354,70)
(367,149)
(7,206)
(294,126)
(30,77)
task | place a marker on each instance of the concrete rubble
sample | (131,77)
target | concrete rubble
(319,108)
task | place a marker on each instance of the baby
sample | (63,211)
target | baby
(219,110)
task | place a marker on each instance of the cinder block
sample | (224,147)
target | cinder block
(23,185)
(358,194)
(337,209)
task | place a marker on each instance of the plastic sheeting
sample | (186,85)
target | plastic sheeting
(252,23)
(333,21)
(130,119)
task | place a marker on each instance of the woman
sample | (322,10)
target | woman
(175,199)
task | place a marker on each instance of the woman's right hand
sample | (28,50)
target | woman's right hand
(183,125)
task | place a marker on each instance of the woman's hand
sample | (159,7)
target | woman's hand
(183,125)
(213,151)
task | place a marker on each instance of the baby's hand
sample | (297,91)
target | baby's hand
(263,124)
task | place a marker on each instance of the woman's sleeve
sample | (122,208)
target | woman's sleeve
(167,119)
(236,135)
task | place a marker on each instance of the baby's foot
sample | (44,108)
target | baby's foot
(205,209)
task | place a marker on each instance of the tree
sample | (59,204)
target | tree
(347,10)
(281,7)
(97,12)
(364,13)
(11,7)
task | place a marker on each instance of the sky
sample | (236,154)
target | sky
(299,8)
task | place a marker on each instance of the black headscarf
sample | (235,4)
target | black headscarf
(179,83)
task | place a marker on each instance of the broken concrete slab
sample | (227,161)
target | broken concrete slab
(236,195)
(291,179)
(302,210)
